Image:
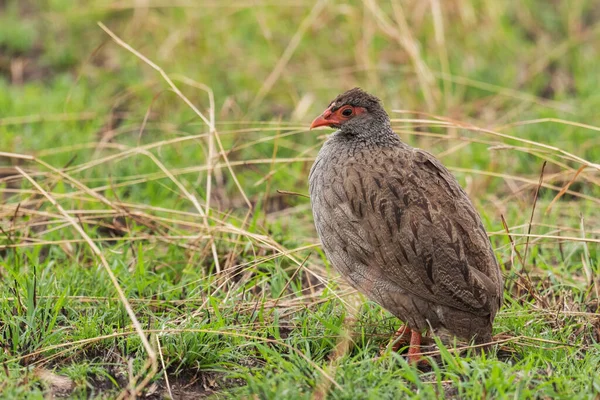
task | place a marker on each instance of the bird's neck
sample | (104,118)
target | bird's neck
(377,133)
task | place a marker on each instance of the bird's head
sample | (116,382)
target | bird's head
(355,112)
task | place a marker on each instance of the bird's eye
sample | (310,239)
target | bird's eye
(347,112)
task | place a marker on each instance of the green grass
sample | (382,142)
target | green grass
(501,88)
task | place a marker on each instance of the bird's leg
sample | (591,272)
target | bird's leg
(401,337)
(414,349)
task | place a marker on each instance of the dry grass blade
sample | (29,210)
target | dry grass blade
(535,199)
(160,332)
(554,120)
(404,37)
(293,193)
(504,91)
(502,340)
(438,24)
(152,360)
(341,349)
(522,282)
(586,262)
(512,242)
(556,237)
(459,124)
(15,155)
(289,281)
(164,367)
(564,189)
(288,52)
(157,68)
(212,133)
(47,118)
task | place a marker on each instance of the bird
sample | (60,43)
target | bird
(397,225)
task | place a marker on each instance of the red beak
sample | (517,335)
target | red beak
(325,119)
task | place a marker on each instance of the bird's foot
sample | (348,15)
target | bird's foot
(414,351)
(405,336)
(400,339)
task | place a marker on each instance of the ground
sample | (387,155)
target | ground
(155,235)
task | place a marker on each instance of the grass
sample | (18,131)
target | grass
(220,288)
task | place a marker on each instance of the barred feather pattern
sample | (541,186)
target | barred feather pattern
(398,226)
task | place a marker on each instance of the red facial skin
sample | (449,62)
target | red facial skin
(336,118)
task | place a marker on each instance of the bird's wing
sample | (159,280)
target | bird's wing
(422,231)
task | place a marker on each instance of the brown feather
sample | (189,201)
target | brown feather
(396,223)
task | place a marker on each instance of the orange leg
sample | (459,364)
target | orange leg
(401,337)
(414,349)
